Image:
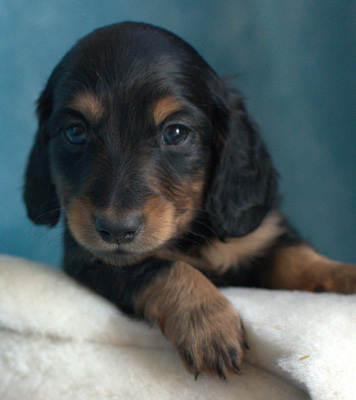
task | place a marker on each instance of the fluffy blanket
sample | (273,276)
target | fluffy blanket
(60,341)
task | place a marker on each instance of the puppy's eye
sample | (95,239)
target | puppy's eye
(75,135)
(175,134)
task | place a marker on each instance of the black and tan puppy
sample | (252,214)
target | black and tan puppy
(167,191)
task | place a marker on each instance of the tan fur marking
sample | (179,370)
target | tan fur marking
(159,225)
(190,199)
(159,222)
(195,316)
(88,104)
(162,221)
(300,267)
(183,200)
(79,213)
(164,107)
(220,256)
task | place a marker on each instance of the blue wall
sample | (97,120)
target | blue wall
(296,65)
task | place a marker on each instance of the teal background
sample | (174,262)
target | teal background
(295,63)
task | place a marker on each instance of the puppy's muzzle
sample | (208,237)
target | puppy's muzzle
(120,231)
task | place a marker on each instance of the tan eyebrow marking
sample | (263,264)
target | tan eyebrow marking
(164,107)
(88,104)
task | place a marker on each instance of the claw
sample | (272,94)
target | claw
(220,369)
(236,366)
(246,346)
(187,356)
(196,375)
(222,376)
(233,357)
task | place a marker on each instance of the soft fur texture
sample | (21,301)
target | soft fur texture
(167,191)
(60,341)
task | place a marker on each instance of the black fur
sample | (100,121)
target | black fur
(129,67)
(241,183)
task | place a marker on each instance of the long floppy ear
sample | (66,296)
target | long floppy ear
(244,183)
(39,192)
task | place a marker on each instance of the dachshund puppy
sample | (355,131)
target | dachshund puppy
(167,191)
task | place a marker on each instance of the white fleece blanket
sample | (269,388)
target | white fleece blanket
(60,341)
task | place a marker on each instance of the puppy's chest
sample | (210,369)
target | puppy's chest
(218,256)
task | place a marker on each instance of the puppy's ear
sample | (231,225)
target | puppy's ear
(243,185)
(39,193)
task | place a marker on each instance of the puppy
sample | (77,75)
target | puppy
(167,191)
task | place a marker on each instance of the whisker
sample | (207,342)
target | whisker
(175,243)
(48,213)
(189,239)
(199,222)
(199,210)
(207,227)
(196,234)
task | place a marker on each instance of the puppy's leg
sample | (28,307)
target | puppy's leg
(300,267)
(201,323)
(197,318)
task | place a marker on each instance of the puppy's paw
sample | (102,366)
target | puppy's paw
(209,338)
(200,322)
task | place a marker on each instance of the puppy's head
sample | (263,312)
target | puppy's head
(137,137)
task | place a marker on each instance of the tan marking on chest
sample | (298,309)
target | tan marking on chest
(219,256)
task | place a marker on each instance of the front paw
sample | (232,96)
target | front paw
(209,338)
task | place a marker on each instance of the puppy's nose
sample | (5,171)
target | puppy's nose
(123,230)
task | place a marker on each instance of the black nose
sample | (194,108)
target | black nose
(122,230)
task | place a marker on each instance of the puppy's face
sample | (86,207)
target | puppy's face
(129,142)
(137,136)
